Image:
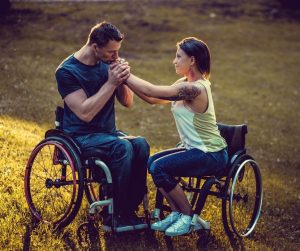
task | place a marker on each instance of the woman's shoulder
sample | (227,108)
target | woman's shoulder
(203,82)
(179,81)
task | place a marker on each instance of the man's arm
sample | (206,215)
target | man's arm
(86,108)
(181,91)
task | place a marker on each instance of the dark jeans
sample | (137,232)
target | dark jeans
(127,160)
(180,162)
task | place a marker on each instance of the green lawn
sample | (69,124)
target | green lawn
(255,75)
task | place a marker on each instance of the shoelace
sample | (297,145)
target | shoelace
(179,222)
(170,216)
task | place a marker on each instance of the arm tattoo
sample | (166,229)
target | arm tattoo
(185,93)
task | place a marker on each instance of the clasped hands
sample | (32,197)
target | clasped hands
(119,72)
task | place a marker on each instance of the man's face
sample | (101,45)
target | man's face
(108,53)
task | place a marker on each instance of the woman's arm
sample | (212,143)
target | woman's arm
(148,99)
(180,91)
(124,95)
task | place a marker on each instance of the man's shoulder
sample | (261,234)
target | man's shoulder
(67,63)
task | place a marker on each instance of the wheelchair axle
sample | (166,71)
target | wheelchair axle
(49,183)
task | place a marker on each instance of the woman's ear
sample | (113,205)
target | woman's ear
(193,60)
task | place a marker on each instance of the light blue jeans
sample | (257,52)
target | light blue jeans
(127,160)
(180,162)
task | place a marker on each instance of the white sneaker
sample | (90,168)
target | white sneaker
(198,223)
(180,227)
(165,223)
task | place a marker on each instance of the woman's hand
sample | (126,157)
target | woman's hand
(118,72)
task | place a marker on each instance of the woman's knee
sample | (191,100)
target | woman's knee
(151,166)
(157,171)
(150,161)
(161,178)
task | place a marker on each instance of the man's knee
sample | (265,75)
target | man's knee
(121,149)
(141,147)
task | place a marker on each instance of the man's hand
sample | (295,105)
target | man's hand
(118,73)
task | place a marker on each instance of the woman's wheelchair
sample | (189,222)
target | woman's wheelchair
(239,187)
(57,175)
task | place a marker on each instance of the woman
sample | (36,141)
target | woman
(204,150)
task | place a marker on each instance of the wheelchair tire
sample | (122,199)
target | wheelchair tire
(54,182)
(242,200)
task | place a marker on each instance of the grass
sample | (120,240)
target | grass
(255,81)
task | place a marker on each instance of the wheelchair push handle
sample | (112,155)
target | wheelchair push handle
(59,115)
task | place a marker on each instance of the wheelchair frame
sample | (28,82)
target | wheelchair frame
(230,185)
(73,173)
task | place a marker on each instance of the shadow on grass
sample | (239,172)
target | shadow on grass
(236,243)
(127,240)
(27,236)
(66,236)
(141,239)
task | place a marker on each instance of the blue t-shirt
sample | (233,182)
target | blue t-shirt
(72,75)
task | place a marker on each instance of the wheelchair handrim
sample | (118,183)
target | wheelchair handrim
(258,201)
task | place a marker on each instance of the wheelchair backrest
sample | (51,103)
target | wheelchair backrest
(235,136)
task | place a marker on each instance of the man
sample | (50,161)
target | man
(88,86)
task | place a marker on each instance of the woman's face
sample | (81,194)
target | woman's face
(182,62)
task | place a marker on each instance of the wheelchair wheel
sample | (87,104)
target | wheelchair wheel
(242,201)
(54,182)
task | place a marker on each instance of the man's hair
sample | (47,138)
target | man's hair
(103,32)
(197,48)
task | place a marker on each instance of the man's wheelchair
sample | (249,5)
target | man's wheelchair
(57,175)
(239,187)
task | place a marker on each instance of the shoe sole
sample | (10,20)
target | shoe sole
(158,229)
(176,234)
(190,231)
